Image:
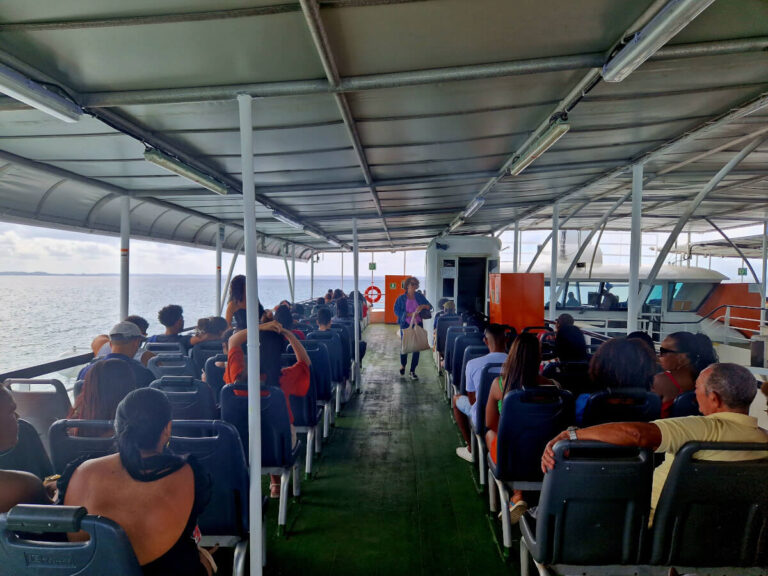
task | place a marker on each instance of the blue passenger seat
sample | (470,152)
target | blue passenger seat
(28,455)
(685,405)
(214,375)
(621,405)
(488,377)
(461,343)
(307,416)
(320,373)
(108,551)
(172,365)
(190,399)
(40,402)
(199,353)
(95,439)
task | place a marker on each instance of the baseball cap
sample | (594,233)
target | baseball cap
(125,331)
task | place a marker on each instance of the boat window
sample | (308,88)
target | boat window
(688,296)
(580,294)
(654,298)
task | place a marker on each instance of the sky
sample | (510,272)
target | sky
(33,249)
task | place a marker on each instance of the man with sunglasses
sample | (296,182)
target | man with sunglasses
(465,406)
(724,392)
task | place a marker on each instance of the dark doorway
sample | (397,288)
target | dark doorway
(471,289)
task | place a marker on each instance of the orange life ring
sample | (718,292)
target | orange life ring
(372,294)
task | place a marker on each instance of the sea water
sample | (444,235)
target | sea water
(48,317)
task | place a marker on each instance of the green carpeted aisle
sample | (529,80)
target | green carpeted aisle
(389,494)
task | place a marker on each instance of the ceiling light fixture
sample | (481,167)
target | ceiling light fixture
(675,16)
(543,143)
(314,234)
(21,88)
(333,242)
(287,220)
(171,164)
(473,207)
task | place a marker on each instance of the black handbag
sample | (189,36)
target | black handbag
(425,314)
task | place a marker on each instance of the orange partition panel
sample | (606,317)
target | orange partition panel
(735,295)
(392,289)
(517,299)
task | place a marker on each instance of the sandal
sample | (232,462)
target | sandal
(274,490)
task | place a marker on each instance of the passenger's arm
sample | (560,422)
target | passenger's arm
(20,488)
(298,349)
(238,339)
(98,342)
(640,434)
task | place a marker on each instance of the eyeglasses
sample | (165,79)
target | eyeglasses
(663,351)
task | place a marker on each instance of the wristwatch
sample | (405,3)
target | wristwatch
(572,432)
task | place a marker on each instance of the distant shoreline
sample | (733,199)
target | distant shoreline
(317,276)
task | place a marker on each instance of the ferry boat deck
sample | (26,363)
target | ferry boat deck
(389,496)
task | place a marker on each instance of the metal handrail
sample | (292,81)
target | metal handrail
(711,312)
(48,367)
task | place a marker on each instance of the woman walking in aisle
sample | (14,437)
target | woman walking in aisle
(408,308)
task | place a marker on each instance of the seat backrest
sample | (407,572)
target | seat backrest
(216,446)
(713,513)
(457,356)
(594,505)
(530,418)
(108,550)
(171,365)
(346,347)
(214,375)
(275,426)
(303,408)
(488,377)
(573,376)
(621,405)
(333,342)
(320,370)
(451,334)
(201,352)
(685,405)
(40,402)
(190,399)
(28,455)
(470,353)
(446,321)
(94,438)
(165,347)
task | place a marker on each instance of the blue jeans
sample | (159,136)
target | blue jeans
(404,357)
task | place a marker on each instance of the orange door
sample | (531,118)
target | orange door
(393,287)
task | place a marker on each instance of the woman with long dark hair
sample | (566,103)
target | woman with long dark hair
(155,495)
(105,385)
(236,297)
(682,356)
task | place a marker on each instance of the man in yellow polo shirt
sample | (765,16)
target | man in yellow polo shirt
(724,392)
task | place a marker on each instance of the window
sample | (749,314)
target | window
(688,296)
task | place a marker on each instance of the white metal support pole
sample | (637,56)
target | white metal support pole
(635,245)
(252,308)
(516,247)
(765,270)
(125,244)
(553,263)
(341,254)
(219,245)
(293,274)
(356,302)
(312,277)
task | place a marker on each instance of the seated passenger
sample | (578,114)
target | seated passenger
(571,302)
(16,486)
(172,317)
(563,320)
(338,294)
(465,406)
(324,319)
(210,328)
(292,380)
(520,370)
(609,300)
(101,347)
(618,363)
(682,356)
(643,337)
(125,339)
(172,490)
(236,298)
(724,392)
(285,318)
(105,385)
(569,367)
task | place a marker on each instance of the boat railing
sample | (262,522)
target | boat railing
(50,368)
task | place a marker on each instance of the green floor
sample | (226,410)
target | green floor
(389,495)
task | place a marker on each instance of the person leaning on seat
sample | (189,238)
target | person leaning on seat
(724,392)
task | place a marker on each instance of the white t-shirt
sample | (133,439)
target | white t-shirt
(475,370)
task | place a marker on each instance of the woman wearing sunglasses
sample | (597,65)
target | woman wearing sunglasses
(682,356)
